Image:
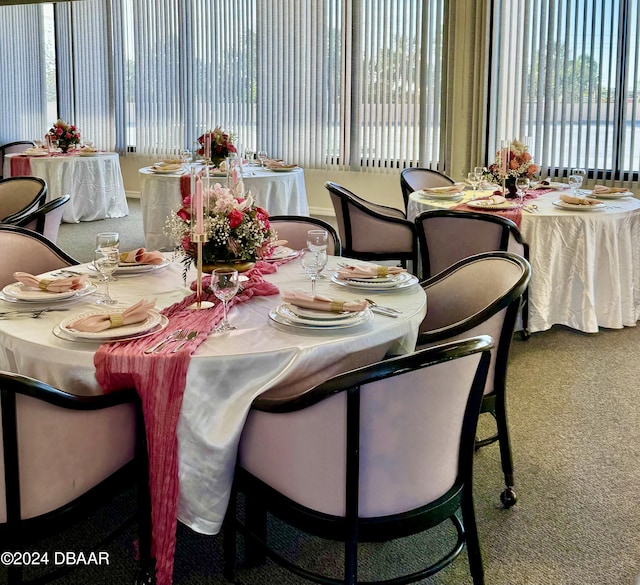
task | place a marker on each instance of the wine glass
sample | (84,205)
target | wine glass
(474,181)
(262,156)
(185,156)
(108,240)
(224,284)
(576,178)
(317,240)
(249,154)
(314,263)
(522,185)
(106,261)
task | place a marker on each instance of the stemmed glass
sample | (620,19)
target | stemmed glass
(224,284)
(314,263)
(317,240)
(106,241)
(249,154)
(576,178)
(262,156)
(474,181)
(106,261)
(522,185)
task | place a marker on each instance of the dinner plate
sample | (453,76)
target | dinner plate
(280,253)
(151,322)
(282,169)
(404,281)
(282,316)
(484,204)
(316,315)
(590,195)
(174,171)
(329,319)
(16,291)
(564,205)
(88,152)
(58,332)
(436,195)
(135,268)
(388,279)
(36,152)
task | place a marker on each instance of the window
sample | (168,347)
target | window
(567,74)
(325,83)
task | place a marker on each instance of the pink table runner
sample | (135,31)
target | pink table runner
(20,166)
(160,380)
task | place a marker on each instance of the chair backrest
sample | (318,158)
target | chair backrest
(479,295)
(20,195)
(447,236)
(416,178)
(294,228)
(46,219)
(395,435)
(10,147)
(27,251)
(371,231)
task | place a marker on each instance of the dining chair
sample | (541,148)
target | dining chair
(294,228)
(370,231)
(46,219)
(481,295)
(64,457)
(416,178)
(20,195)
(372,455)
(28,251)
(10,148)
(446,236)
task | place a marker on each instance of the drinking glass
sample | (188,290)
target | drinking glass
(108,240)
(224,284)
(474,181)
(522,185)
(262,156)
(249,154)
(314,263)
(185,156)
(106,262)
(317,240)
(576,178)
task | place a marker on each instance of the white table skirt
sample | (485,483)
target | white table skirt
(585,264)
(280,193)
(225,374)
(94,183)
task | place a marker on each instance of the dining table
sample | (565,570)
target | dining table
(280,192)
(265,357)
(94,182)
(585,260)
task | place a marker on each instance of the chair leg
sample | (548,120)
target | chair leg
(524,334)
(256,523)
(471,536)
(508,496)
(229,541)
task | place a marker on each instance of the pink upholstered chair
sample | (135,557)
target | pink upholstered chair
(416,178)
(27,251)
(294,228)
(11,147)
(46,219)
(63,457)
(20,195)
(374,454)
(370,231)
(481,295)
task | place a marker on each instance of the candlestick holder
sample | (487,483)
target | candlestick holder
(199,210)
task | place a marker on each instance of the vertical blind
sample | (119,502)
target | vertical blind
(326,83)
(566,75)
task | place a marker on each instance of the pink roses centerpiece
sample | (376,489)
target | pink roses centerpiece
(215,144)
(237,230)
(64,135)
(511,163)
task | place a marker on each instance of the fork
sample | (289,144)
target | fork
(171,337)
(191,335)
(389,311)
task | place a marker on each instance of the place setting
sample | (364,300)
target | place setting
(36,291)
(576,203)
(373,277)
(453,192)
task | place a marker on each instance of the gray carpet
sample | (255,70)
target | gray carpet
(575,424)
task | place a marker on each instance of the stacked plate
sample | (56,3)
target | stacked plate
(281,253)
(488,204)
(616,195)
(19,293)
(152,324)
(444,195)
(293,316)
(126,268)
(377,283)
(577,207)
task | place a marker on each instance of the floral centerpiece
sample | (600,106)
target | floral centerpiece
(216,144)
(65,135)
(511,163)
(237,230)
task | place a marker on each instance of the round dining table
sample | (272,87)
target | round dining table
(279,192)
(585,261)
(94,182)
(227,371)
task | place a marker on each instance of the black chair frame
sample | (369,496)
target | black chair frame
(8,145)
(39,215)
(321,223)
(17,533)
(407,189)
(351,529)
(35,203)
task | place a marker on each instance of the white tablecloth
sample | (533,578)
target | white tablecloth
(280,193)
(225,374)
(94,183)
(585,264)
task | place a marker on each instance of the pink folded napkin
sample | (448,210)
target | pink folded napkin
(101,322)
(579,200)
(493,200)
(455,188)
(54,285)
(141,256)
(322,303)
(368,271)
(599,189)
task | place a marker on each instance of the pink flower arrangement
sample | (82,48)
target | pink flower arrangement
(216,144)
(65,135)
(236,228)
(519,163)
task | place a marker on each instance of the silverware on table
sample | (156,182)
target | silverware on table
(388,311)
(168,339)
(33,313)
(190,336)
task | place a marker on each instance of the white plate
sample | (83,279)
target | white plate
(151,322)
(590,195)
(280,253)
(35,152)
(282,169)
(315,315)
(134,268)
(435,195)
(284,317)
(287,312)
(173,171)
(58,332)
(405,281)
(391,279)
(480,204)
(18,292)
(564,205)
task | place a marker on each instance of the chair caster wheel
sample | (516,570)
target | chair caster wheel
(508,498)
(524,334)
